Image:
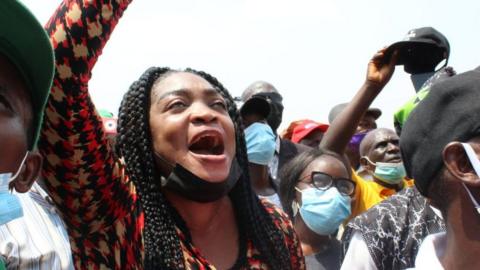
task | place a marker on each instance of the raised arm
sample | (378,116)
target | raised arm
(80,170)
(343,127)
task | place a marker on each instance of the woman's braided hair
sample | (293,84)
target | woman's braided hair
(162,245)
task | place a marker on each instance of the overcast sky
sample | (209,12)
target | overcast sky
(314,52)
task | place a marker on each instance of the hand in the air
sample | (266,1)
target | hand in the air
(379,70)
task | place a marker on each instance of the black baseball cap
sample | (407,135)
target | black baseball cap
(256,104)
(423,46)
(26,44)
(450,112)
(335,111)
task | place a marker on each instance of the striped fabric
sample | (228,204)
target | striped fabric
(38,240)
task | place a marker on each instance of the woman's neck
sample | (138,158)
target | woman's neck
(312,243)
(199,217)
(213,228)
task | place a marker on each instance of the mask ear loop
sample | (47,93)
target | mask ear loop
(295,204)
(171,166)
(19,168)
(295,208)
(10,187)
(476,166)
(369,161)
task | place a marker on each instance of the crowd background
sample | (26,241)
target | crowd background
(314,52)
(183,128)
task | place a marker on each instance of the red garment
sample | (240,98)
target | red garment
(83,176)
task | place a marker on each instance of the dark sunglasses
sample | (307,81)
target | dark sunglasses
(325,181)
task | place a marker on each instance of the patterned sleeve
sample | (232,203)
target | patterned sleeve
(80,171)
(291,239)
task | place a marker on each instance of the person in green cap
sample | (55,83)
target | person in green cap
(32,235)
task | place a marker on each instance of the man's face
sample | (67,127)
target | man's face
(367,122)
(15,117)
(382,145)
(274,119)
(313,139)
(251,118)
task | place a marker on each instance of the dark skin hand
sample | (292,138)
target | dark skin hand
(345,124)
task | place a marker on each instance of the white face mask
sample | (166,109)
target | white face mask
(10,207)
(476,166)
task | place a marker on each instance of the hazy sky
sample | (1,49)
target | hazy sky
(314,51)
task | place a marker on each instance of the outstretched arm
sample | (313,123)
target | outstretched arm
(81,173)
(343,127)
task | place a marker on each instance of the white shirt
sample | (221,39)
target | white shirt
(358,257)
(38,240)
(429,253)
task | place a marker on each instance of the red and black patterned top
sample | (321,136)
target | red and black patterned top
(83,176)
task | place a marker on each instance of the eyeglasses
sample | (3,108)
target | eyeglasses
(325,181)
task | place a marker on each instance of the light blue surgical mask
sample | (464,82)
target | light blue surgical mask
(390,173)
(476,166)
(260,142)
(323,210)
(10,207)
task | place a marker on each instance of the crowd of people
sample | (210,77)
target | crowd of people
(189,177)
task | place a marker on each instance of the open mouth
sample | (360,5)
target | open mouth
(207,144)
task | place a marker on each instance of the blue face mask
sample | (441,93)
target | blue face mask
(10,207)
(390,173)
(260,143)
(323,210)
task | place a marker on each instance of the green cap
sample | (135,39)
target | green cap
(401,116)
(26,44)
(105,113)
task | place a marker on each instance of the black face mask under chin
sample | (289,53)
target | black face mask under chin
(192,187)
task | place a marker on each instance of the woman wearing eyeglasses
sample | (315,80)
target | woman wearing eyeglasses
(316,191)
(316,188)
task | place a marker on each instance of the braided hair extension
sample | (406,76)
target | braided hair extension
(162,246)
(134,141)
